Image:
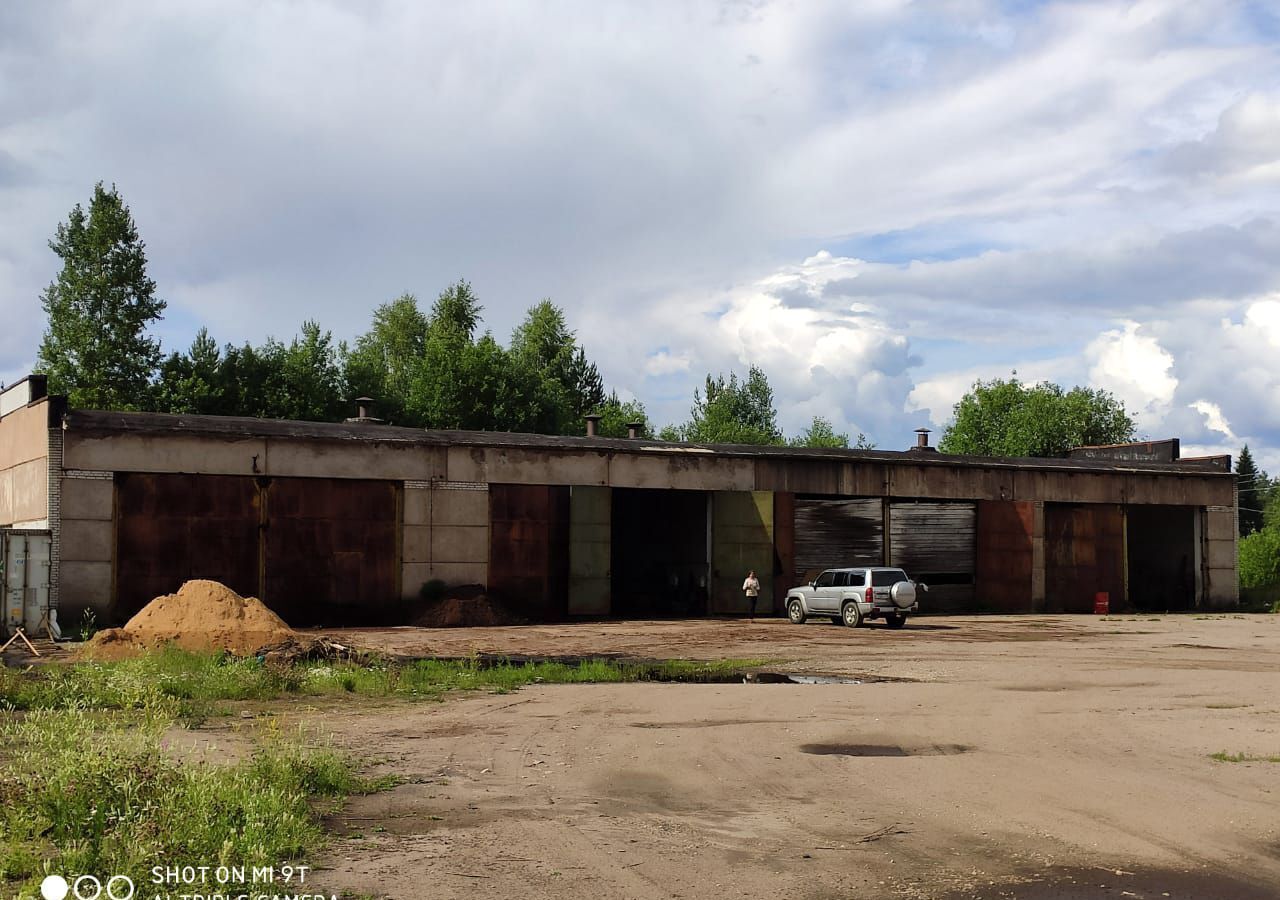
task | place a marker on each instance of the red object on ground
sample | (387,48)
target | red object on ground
(1101,603)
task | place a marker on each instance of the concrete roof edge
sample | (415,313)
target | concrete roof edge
(98,421)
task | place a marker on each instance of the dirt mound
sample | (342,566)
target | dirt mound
(202,615)
(466,606)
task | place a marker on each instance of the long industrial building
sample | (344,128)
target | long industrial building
(343,524)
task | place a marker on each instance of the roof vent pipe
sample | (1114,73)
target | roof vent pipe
(635,429)
(922,441)
(593,425)
(364,411)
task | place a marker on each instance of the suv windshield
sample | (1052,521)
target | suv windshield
(887,577)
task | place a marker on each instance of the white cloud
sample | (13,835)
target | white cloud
(663,362)
(1213,418)
(1136,369)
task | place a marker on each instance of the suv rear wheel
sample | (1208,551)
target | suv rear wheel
(795,611)
(851,614)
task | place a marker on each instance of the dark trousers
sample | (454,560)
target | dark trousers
(751,602)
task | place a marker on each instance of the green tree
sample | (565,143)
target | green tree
(385,360)
(457,311)
(1260,558)
(95,347)
(192,382)
(616,414)
(820,434)
(302,380)
(733,412)
(1251,492)
(1009,418)
(544,343)
(465,383)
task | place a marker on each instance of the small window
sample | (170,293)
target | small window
(825,579)
(842,579)
(858,578)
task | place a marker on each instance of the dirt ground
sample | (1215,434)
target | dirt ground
(1028,757)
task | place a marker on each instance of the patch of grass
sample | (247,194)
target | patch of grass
(1224,756)
(180,683)
(101,795)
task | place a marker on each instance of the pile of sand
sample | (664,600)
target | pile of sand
(466,606)
(202,615)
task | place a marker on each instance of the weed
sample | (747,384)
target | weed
(88,624)
(1224,756)
(191,685)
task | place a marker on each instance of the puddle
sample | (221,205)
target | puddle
(788,678)
(888,750)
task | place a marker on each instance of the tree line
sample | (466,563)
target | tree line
(437,368)
(428,367)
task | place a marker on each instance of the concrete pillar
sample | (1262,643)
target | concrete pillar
(1037,558)
(1222,588)
(590,550)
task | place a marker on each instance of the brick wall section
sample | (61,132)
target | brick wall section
(55,514)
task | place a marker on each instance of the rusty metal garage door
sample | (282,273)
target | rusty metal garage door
(936,543)
(316,550)
(172,528)
(1083,555)
(529,549)
(831,533)
(331,550)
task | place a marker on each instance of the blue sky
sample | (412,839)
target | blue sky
(876,202)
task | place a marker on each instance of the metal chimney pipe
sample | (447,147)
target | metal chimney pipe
(634,429)
(922,439)
(593,425)
(363,406)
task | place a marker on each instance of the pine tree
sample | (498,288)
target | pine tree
(95,347)
(1249,496)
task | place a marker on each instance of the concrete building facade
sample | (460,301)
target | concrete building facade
(343,524)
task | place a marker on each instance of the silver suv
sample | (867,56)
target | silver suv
(856,594)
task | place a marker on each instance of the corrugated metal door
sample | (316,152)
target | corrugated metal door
(172,528)
(529,549)
(830,533)
(936,543)
(24,574)
(331,550)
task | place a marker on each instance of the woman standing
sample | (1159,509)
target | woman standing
(752,589)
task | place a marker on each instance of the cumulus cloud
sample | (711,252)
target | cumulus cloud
(1136,369)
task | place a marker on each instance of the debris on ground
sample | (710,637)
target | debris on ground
(201,616)
(466,606)
(302,648)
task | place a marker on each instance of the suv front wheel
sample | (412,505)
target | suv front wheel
(795,611)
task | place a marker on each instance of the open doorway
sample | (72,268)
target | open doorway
(1163,561)
(659,553)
